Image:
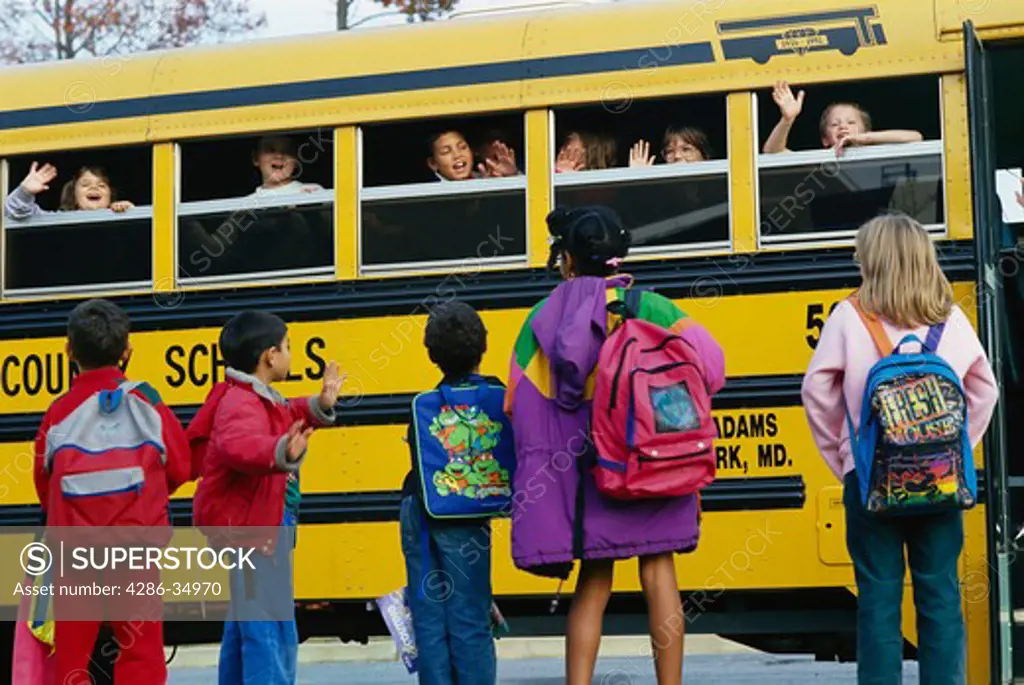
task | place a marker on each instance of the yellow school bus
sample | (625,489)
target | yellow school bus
(755,246)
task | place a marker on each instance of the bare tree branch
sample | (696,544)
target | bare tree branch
(37,30)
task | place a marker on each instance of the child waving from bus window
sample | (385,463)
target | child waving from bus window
(842,124)
(450,157)
(903,295)
(276,158)
(680,144)
(90,189)
(583,151)
(498,157)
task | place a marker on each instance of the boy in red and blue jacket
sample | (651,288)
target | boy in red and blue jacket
(248,442)
(80,487)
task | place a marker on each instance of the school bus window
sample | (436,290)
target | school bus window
(257,207)
(834,156)
(660,164)
(443,193)
(77,220)
(456,149)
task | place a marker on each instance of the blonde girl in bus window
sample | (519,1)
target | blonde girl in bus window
(902,286)
(680,145)
(583,151)
(842,124)
(90,189)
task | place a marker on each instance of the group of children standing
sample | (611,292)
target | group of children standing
(247,443)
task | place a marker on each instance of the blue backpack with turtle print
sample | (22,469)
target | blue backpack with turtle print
(464,449)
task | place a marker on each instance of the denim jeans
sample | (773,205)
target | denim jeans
(449,590)
(933,543)
(261,642)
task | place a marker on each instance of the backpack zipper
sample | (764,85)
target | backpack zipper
(644,457)
(618,373)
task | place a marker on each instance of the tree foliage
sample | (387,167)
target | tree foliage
(422,10)
(39,30)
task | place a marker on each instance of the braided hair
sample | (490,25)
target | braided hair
(594,235)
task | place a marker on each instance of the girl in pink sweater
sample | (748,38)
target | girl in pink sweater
(904,287)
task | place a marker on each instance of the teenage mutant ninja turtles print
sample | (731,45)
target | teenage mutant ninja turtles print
(469,436)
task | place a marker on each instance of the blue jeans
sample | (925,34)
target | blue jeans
(450,597)
(933,543)
(261,642)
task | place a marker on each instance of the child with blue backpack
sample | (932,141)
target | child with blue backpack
(898,393)
(462,457)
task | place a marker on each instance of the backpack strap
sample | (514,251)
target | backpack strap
(934,336)
(874,326)
(147,391)
(633,298)
(626,308)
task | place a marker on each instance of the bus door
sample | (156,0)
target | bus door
(993,327)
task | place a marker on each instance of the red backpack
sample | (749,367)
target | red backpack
(106,462)
(651,416)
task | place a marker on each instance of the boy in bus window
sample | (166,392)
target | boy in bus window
(450,157)
(90,189)
(583,151)
(680,144)
(277,160)
(842,124)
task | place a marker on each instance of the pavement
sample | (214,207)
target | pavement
(709,661)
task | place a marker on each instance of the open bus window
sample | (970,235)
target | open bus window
(660,164)
(259,207)
(811,192)
(61,228)
(443,193)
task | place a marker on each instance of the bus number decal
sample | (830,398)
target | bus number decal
(816,322)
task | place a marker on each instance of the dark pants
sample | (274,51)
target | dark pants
(933,543)
(450,598)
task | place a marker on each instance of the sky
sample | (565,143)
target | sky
(294,17)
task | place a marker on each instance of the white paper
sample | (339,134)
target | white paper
(1008,186)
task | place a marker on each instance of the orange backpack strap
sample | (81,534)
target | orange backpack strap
(874,326)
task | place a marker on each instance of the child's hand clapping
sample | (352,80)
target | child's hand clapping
(298,440)
(331,387)
(39,178)
(789,106)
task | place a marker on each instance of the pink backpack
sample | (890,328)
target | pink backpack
(651,416)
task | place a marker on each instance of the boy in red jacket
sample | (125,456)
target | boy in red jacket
(86,476)
(249,442)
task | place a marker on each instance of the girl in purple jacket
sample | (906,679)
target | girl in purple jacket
(558,515)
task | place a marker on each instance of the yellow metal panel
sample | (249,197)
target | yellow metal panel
(538,191)
(346,202)
(165,186)
(742,194)
(993,20)
(958,157)
(974,589)
(73,136)
(832,527)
